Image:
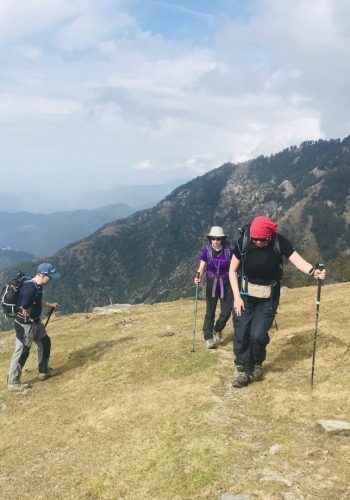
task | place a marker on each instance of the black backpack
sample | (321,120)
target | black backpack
(9,294)
(244,233)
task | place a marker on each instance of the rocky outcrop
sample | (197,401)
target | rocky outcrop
(339,427)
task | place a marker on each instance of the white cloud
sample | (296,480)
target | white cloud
(197,165)
(143,165)
(119,93)
(22,19)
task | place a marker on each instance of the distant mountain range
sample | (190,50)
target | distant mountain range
(10,257)
(152,255)
(44,234)
(137,197)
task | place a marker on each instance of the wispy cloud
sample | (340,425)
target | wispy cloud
(143,165)
(185,10)
(108,81)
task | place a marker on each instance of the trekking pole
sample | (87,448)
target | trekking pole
(49,316)
(195,315)
(318,301)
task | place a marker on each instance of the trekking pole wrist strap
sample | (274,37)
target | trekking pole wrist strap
(312,271)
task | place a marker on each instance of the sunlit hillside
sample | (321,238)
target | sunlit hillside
(134,414)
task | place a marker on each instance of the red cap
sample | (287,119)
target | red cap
(263,227)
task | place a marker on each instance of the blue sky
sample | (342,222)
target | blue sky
(97,94)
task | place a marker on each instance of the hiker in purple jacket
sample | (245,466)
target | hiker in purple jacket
(215,263)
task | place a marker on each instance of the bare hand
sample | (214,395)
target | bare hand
(320,274)
(53,305)
(238,306)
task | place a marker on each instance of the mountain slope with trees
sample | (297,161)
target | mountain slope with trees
(152,255)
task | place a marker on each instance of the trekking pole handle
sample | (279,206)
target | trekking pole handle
(317,267)
(321,267)
(198,274)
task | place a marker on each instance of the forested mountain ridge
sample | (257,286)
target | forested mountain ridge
(153,254)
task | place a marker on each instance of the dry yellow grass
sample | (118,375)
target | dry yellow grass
(134,414)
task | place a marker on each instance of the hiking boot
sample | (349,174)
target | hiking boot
(242,379)
(17,387)
(210,344)
(219,338)
(258,372)
(51,372)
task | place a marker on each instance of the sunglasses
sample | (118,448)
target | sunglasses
(262,240)
(214,238)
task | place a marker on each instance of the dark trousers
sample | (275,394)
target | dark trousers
(211,303)
(252,331)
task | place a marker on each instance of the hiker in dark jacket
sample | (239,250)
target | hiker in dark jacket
(214,263)
(256,293)
(28,327)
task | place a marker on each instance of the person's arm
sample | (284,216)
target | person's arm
(201,270)
(305,267)
(238,303)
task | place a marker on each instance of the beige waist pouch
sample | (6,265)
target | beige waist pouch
(259,291)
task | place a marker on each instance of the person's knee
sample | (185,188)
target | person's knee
(260,340)
(240,342)
(210,315)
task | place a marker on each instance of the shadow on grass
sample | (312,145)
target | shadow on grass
(92,352)
(87,354)
(301,348)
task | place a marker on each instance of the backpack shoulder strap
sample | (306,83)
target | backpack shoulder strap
(227,252)
(246,240)
(245,235)
(31,280)
(277,250)
(209,252)
(276,246)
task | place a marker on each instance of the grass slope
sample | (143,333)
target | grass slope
(134,414)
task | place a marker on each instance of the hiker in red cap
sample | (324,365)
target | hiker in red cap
(255,276)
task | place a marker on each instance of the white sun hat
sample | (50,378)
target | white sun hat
(217,232)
